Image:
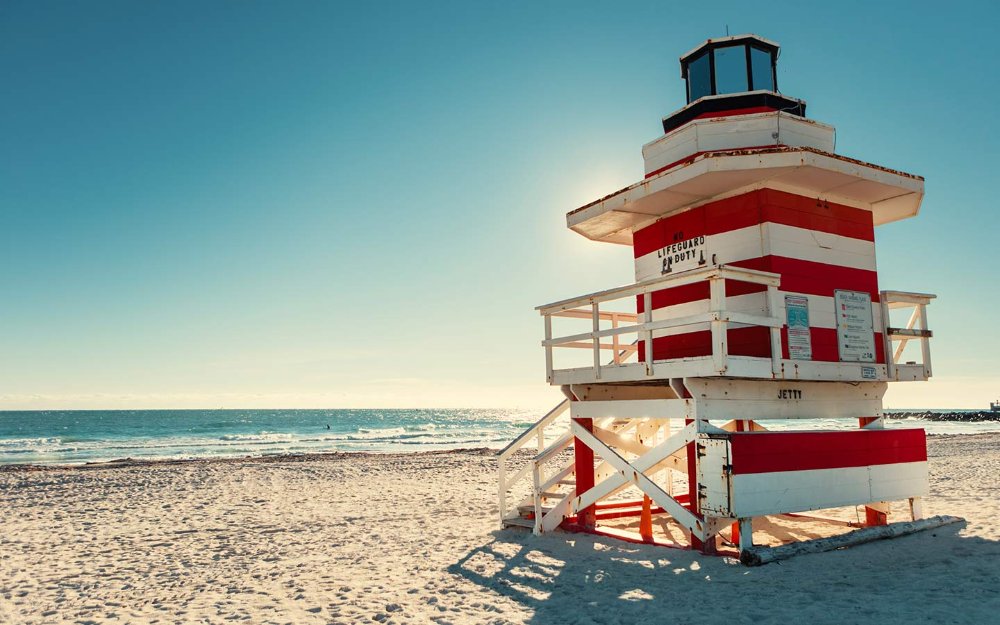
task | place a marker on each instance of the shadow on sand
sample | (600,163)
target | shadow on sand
(933,576)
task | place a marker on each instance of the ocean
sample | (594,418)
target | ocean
(73,437)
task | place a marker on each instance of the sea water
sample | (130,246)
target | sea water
(87,436)
(70,437)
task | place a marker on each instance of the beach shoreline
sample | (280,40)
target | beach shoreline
(350,537)
(263,458)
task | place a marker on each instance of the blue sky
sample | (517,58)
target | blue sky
(360,204)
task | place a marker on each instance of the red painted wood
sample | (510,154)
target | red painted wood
(812,278)
(622,513)
(797,276)
(646,519)
(632,537)
(875,517)
(633,503)
(583,458)
(754,341)
(753,208)
(772,452)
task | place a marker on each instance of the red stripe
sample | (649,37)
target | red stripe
(754,341)
(772,452)
(812,278)
(754,208)
(797,276)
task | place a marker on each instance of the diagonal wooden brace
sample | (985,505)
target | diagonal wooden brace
(675,461)
(634,473)
(650,459)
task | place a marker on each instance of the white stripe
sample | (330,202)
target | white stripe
(819,247)
(778,240)
(757,494)
(822,312)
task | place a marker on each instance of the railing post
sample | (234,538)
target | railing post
(503,488)
(720,347)
(773,306)
(548,348)
(536,483)
(925,343)
(890,360)
(595,315)
(647,318)
(617,359)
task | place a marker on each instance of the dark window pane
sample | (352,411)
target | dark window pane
(763,77)
(699,80)
(731,69)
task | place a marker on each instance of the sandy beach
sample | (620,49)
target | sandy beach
(352,538)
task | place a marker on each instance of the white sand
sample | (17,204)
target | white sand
(412,539)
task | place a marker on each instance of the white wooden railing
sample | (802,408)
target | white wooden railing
(537,434)
(896,338)
(589,306)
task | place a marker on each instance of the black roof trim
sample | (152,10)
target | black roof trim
(732,102)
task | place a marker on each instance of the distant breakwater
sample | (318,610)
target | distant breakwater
(934,415)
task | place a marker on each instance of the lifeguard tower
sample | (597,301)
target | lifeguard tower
(756,298)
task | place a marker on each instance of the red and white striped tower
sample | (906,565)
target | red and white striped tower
(756,298)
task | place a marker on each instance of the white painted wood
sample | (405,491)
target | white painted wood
(632,474)
(925,344)
(770,238)
(726,398)
(916,508)
(502,487)
(548,348)
(634,409)
(746,533)
(901,299)
(525,436)
(736,132)
(647,336)
(822,311)
(596,318)
(551,519)
(737,367)
(713,477)
(895,482)
(653,458)
(655,284)
(537,495)
(890,195)
(759,494)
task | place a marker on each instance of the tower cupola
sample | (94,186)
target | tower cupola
(729,75)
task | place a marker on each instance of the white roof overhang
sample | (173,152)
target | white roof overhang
(890,195)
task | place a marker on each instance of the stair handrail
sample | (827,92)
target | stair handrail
(520,441)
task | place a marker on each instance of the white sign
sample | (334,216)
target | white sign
(855,333)
(797,318)
(682,255)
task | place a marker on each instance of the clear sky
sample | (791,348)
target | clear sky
(335,204)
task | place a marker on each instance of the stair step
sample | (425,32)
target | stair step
(566,482)
(530,509)
(554,495)
(519,522)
